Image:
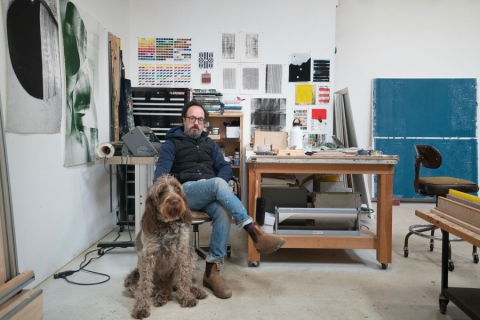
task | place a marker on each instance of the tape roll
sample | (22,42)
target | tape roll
(109,149)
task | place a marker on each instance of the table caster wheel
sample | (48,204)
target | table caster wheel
(475,257)
(431,246)
(100,252)
(405,253)
(121,228)
(451,267)
(384,266)
(254,264)
(443,306)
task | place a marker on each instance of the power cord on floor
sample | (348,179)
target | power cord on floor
(67,273)
(101,252)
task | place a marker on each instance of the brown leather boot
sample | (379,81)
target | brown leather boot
(214,282)
(266,243)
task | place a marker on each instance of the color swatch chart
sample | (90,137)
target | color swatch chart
(164,74)
(164,61)
(165,49)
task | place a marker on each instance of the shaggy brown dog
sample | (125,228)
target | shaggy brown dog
(165,258)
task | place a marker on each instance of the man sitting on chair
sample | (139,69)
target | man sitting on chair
(196,161)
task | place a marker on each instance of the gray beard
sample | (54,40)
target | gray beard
(193,135)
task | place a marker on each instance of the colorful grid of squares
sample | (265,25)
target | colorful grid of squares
(146,74)
(173,49)
(146,49)
(182,74)
(165,49)
(164,74)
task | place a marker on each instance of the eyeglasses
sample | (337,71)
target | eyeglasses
(193,119)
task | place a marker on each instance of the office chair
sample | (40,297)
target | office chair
(199,218)
(430,157)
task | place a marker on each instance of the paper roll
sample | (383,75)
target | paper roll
(109,149)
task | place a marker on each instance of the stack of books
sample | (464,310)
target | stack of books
(210,99)
(233,107)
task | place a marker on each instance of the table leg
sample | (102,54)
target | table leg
(444,280)
(384,219)
(253,193)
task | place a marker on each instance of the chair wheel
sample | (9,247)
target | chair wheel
(405,253)
(121,228)
(431,246)
(475,257)
(443,306)
(384,266)
(254,264)
(451,267)
(229,253)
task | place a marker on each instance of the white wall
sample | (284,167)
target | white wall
(58,211)
(287,26)
(402,39)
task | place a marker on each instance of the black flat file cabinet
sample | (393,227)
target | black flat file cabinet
(466,299)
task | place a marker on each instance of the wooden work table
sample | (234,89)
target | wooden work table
(383,166)
(465,298)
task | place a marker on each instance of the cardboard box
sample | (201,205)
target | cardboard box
(233,132)
(337,199)
(278,140)
(269,219)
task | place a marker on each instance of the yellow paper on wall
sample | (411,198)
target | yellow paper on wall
(304,94)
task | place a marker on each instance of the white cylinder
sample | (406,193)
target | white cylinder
(296,137)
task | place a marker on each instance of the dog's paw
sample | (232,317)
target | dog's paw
(160,300)
(188,303)
(198,293)
(140,313)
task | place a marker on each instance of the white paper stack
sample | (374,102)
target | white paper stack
(269,222)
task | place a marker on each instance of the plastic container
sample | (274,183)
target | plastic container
(236,159)
(296,135)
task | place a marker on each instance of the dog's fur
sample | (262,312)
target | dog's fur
(165,258)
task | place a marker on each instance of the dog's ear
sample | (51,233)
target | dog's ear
(186,216)
(149,218)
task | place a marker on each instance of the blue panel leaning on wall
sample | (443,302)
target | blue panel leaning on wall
(437,112)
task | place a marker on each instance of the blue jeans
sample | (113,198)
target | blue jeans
(213,196)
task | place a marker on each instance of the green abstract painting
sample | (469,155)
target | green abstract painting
(80,45)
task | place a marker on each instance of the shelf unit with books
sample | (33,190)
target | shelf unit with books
(230,145)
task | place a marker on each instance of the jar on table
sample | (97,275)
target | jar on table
(236,159)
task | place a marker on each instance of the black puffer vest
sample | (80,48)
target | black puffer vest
(193,159)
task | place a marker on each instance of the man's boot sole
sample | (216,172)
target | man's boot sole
(273,249)
(218,295)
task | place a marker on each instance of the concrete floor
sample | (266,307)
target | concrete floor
(289,284)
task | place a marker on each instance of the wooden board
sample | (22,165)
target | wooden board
(455,220)
(459,211)
(278,140)
(115,85)
(28,304)
(13,283)
(449,226)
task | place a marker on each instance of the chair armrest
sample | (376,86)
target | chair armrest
(237,182)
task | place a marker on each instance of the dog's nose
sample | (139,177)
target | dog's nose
(174,202)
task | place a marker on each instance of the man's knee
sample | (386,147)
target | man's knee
(220,183)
